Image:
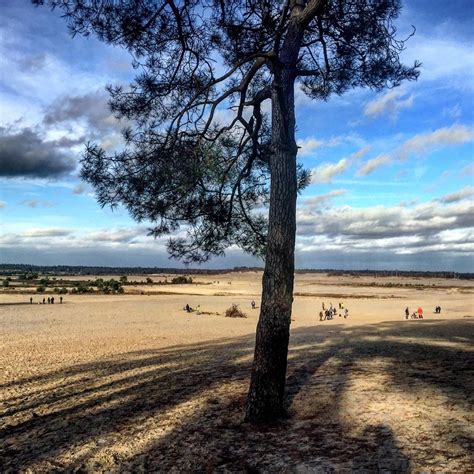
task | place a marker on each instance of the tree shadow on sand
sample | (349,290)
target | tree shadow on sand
(182,407)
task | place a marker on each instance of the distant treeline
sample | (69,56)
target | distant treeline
(15,269)
(392,273)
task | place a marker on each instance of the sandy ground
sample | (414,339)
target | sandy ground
(134,383)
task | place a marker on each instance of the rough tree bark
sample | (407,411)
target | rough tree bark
(267,385)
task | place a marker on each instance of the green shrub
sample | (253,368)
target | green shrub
(82,288)
(181,279)
(40,289)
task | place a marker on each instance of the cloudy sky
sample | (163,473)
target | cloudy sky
(392,172)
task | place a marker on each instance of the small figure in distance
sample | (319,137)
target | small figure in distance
(49,300)
(420,312)
(187,308)
(31,300)
(198,309)
(346,313)
(61,300)
(44,300)
(52,300)
(323,306)
(407,312)
(414,315)
(321,316)
(253,304)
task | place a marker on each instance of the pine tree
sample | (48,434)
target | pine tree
(203,151)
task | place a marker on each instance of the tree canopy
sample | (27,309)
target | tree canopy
(199,140)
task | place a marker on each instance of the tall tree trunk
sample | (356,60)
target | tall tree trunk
(267,386)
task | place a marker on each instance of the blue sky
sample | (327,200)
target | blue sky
(392,172)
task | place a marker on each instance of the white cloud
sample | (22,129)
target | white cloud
(453,112)
(35,203)
(468,170)
(389,104)
(45,232)
(360,153)
(421,144)
(464,193)
(324,173)
(79,189)
(306,146)
(371,165)
(79,239)
(442,58)
(430,226)
(120,235)
(442,137)
(324,198)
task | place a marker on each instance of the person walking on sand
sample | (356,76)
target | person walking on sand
(49,300)
(407,312)
(324,307)
(44,300)
(420,312)
(60,300)
(346,313)
(52,300)
(31,300)
(253,304)
(321,316)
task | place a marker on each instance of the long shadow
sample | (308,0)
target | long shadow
(46,416)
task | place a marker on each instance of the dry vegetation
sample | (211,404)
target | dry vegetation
(131,382)
(234,312)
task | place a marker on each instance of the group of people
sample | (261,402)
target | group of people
(50,300)
(418,314)
(331,312)
(188,309)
